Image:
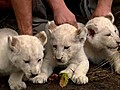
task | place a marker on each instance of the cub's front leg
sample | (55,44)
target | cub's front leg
(70,69)
(47,66)
(79,75)
(116,61)
(46,71)
(15,81)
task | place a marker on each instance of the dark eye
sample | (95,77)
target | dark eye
(108,34)
(115,31)
(27,61)
(39,60)
(81,39)
(66,47)
(54,46)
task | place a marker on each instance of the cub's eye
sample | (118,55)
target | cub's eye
(39,60)
(81,39)
(55,46)
(115,31)
(27,61)
(108,34)
(66,47)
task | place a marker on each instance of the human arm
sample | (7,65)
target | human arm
(23,12)
(61,13)
(103,8)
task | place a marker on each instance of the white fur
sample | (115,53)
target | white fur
(65,48)
(19,55)
(102,41)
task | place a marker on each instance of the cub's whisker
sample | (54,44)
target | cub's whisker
(100,65)
(108,60)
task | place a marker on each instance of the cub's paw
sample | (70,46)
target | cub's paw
(17,85)
(41,78)
(69,72)
(118,70)
(79,79)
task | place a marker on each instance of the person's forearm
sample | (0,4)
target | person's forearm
(23,12)
(56,4)
(107,4)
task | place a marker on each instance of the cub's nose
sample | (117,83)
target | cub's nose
(33,75)
(59,60)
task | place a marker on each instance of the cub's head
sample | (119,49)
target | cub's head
(102,34)
(26,52)
(66,41)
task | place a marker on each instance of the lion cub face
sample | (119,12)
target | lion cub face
(26,52)
(103,34)
(66,41)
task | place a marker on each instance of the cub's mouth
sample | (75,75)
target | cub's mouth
(118,49)
(61,62)
(113,47)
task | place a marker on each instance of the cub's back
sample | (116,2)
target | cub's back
(7,31)
(4,33)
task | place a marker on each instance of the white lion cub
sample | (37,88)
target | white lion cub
(19,55)
(103,41)
(65,47)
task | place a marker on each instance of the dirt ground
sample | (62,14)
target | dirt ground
(102,78)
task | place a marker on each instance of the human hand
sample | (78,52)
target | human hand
(64,15)
(100,12)
(103,8)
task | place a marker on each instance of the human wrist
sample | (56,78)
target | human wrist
(105,4)
(57,5)
(25,26)
(27,31)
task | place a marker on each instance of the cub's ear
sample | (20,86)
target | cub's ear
(91,32)
(92,29)
(110,17)
(80,25)
(42,37)
(12,42)
(51,26)
(81,34)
